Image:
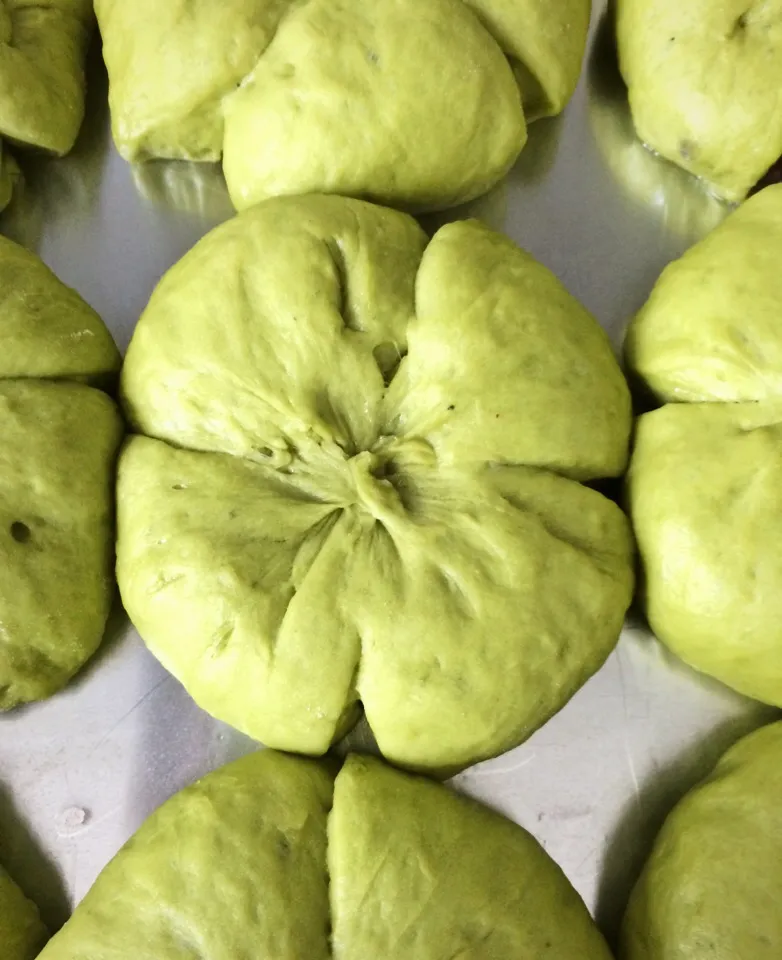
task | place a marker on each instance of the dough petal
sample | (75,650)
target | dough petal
(56,477)
(355,116)
(713,884)
(46,329)
(505,366)
(233,579)
(418,873)
(312,294)
(545,44)
(42,50)
(705,488)
(233,866)
(482,608)
(710,330)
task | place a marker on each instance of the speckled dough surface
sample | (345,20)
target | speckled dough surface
(419,105)
(360,481)
(713,884)
(42,50)
(268,857)
(60,437)
(705,480)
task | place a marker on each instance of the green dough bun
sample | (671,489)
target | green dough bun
(713,884)
(42,50)
(686,208)
(22,934)
(703,79)
(705,480)
(418,105)
(357,479)
(60,438)
(270,857)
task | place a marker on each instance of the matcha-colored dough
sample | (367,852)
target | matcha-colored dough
(684,208)
(268,857)
(233,866)
(56,465)
(414,104)
(296,536)
(544,43)
(704,79)
(22,934)
(42,50)
(46,330)
(705,481)
(418,872)
(713,884)
(710,330)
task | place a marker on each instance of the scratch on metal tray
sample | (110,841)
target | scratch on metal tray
(625,729)
(128,714)
(491,771)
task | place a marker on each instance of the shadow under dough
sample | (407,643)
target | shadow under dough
(641,820)
(37,875)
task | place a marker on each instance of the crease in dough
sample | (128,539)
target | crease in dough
(469,581)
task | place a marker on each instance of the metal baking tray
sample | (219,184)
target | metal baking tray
(80,772)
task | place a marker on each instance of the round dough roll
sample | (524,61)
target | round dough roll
(418,105)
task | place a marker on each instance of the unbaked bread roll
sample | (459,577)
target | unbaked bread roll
(359,478)
(421,105)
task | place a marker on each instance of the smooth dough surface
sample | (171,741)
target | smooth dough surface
(359,482)
(419,872)
(231,867)
(268,857)
(706,473)
(704,80)
(419,105)
(713,884)
(60,438)
(706,496)
(22,934)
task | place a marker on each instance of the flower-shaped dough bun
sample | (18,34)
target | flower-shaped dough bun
(42,50)
(419,105)
(713,883)
(59,441)
(704,79)
(705,482)
(272,856)
(359,481)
